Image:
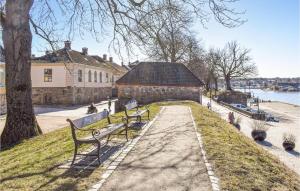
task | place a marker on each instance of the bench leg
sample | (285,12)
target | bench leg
(126,129)
(107,139)
(148,115)
(75,153)
(98,152)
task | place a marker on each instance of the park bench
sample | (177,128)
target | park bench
(96,135)
(133,104)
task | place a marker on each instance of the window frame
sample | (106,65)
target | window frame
(48,77)
(100,77)
(79,79)
(95,76)
(89,76)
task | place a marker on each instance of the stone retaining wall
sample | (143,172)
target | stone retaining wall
(148,94)
(2,104)
(69,95)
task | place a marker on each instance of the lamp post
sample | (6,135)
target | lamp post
(257,104)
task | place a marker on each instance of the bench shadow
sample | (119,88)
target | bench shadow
(137,125)
(83,167)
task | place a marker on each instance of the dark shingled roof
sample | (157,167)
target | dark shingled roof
(160,74)
(68,55)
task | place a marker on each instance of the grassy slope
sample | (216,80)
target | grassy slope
(32,164)
(239,162)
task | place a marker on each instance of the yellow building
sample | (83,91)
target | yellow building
(67,76)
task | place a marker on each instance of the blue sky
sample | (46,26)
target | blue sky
(271,32)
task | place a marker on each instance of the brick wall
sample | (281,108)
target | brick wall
(148,94)
(69,95)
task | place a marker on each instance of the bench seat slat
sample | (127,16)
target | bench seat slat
(131,104)
(88,120)
(103,133)
(137,113)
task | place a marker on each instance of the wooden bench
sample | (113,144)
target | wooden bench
(96,134)
(133,104)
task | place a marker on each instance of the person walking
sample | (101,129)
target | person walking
(208,105)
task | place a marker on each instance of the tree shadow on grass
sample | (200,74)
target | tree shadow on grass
(83,168)
(56,178)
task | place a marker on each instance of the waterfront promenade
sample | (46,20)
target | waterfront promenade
(289,116)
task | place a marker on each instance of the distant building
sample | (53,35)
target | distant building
(67,77)
(157,81)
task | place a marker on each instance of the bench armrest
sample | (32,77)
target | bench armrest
(124,120)
(96,133)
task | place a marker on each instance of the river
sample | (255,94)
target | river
(287,97)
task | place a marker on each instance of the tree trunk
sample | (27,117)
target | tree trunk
(228,84)
(216,85)
(20,121)
(207,84)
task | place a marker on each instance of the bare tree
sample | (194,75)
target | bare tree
(212,76)
(166,31)
(16,17)
(47,17)
(234,62)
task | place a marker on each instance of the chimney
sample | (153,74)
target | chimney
(110,59)
(104,57)
(68,44)
(122,63)
(84,50)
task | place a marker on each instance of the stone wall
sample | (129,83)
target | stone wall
(148,94)
(233,97)
(2,104)
(69,95)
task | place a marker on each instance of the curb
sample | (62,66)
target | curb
(122,154)
(212,177)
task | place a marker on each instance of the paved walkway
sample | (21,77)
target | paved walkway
(273,143)
(167,157)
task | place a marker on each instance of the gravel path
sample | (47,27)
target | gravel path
(273,143)
(167,157)
(54,117)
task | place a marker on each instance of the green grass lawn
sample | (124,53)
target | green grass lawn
(238,161)
(32,164)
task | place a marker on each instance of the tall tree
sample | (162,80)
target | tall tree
(234,62)
(76,16)
(167,32)
(17,45)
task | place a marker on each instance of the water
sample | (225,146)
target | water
(287,97)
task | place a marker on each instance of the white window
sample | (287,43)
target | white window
(107,78)
(47,75)
(95,76)
(90,76)
(100,77)
(79,75)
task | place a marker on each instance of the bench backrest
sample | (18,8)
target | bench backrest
(87,120)
(131,104)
